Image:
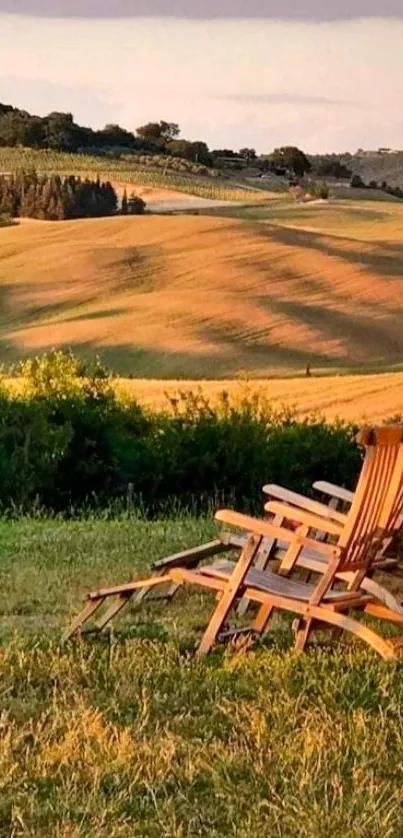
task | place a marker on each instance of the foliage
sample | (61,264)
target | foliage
(357,182)
(130,737)
(53,198)
(370,165)
(320,190)
(395,191)
(330,167)
(248,153)
(135,205)
(292,158)
(68,440)
(58,131)
(197,152)
(159,132)
(141,170)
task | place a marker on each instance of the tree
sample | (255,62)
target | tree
(61,132)
(197,152)
(248,153)
(124,208)
(357,182)
(333,168)
(114,135)
(136,205)
(292,158)
(159,132)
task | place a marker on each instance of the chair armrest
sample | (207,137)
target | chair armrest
(302,502)
(260,526)
(334,491)
(314,522)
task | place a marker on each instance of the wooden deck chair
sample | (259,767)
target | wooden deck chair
(323,604)
(231,581)
(341,499)
(191,558)
(314,561)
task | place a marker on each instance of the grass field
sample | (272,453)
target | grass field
(133,737)
(207,297)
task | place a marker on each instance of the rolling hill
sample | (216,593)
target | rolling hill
(210,297)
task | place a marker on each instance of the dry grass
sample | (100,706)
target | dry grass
(210,297)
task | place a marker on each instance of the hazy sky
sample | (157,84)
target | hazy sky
(233,72)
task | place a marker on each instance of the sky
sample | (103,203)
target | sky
(321,74)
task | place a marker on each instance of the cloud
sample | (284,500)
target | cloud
(302,10)
(286,99)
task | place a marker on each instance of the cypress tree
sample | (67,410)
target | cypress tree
(124,208)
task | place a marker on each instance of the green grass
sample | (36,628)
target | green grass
(132,172)
(134,738)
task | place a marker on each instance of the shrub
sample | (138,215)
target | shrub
(357,182)
(68,441)
(320,190)
(135,205)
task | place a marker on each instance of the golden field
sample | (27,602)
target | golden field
(166,297)
(349,397)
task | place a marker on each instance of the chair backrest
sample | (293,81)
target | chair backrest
(376,508)
(395,522)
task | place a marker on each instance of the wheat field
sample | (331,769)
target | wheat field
(208,297)
(348,397)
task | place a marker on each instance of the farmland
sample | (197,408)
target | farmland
(349,397)
(262,294)
(141,171)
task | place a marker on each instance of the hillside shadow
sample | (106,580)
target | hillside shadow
(256,350)
(384,259)
(96,315)
(366,333)
(128,360)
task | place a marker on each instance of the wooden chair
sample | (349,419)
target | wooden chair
(359,542)
(362,539)
(292,505)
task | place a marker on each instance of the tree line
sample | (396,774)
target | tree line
(59,132)
(53,198)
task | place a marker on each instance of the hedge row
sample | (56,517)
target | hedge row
(67,442)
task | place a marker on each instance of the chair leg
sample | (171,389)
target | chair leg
(261,563)
(229,594)
(84,615)
(303,628)
(262,618)
(112,611)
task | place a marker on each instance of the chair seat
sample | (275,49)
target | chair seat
(316,561)
(272,583)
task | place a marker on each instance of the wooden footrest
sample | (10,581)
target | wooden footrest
(130,587)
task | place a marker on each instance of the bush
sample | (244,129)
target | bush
(68,441)
(136,205)
(357,182)
(320,190)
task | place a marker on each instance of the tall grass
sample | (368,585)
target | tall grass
(133,737)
